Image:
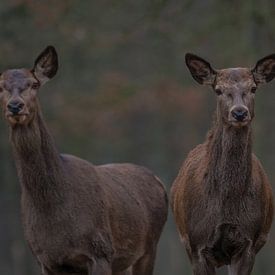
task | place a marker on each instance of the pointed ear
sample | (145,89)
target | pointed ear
(264,71)
(46,65)
(200,69)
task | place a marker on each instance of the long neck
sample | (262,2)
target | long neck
(37,160)
(230,159)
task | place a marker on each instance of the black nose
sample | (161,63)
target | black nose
(15,107)
(239,113)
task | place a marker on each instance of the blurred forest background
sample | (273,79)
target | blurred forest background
(123,93)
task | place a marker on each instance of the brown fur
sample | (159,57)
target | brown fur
(221,199)
(80,218)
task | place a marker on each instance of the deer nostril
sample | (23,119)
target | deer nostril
(239,114)
(15,107)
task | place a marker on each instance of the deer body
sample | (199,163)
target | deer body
(79,218)
(221,199)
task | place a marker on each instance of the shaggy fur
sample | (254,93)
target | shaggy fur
(79,218)
(221,199)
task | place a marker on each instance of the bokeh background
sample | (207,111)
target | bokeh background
(123,93)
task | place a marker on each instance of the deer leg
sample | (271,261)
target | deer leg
(99,267)
(243,265)
(145,265)
(202,262)
(45,271)
(126,272)
(202,267)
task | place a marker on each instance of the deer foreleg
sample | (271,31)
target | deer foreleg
(99,267)
(243,265)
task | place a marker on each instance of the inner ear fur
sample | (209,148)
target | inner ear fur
(46,64)
(264,70)
(200,69)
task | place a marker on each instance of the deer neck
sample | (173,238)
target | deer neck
(37,160)
(230,158)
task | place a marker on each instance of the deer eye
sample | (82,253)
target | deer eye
(218,91)
(253,90)
(35,85)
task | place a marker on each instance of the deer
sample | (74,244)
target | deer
(78,218)
(221,198)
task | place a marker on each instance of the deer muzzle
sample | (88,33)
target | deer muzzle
(240,113)
(15,107)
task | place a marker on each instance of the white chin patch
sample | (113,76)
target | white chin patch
(239,124)
(17,119)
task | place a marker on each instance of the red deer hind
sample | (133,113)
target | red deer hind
(221,199)
(78,218)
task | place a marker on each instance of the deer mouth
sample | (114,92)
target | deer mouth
(17,119)
(239,124)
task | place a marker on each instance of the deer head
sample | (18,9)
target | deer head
(19,87)
(235,87)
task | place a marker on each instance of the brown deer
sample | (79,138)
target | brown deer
(78,218)
(221,199)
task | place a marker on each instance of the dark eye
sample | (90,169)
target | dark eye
(1,89)
(253,90)
(218,91)
(35,85)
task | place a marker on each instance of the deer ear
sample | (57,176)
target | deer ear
(200,69)
(264,71)
(46,65)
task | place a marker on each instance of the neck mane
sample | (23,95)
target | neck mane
(37,160)
(229,151)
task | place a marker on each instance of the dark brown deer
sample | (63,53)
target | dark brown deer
(78,218)
(221,199)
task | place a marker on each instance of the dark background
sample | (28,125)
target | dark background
(123,93)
